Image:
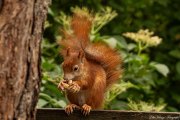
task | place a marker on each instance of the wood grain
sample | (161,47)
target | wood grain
(21,27)
(59,114)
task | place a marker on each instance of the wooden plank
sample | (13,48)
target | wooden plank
(59,114)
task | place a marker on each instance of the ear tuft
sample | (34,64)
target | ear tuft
(68,51)
(81,55)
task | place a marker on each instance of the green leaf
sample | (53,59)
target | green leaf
(145,58)
(178,67)
(117,89)
(118,105)
(131,46)
(41,103)
(172,109)
(51,100)
(112,42)
(176,97)
(62,103)
(161,68)
(51,12)
(121,42)
(145,106)
(175,53)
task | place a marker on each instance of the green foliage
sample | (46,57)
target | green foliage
(102,18)
(116,90)
(151,74)
(143,106)
(141,72)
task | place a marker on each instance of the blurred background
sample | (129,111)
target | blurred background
(151,78)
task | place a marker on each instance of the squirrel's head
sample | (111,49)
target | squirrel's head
(73,65)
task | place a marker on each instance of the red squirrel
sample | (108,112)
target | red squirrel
(89,68)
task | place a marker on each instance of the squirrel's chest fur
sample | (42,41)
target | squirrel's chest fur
(93,95)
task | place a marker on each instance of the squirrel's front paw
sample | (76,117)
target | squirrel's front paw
(63,85)
(74,87)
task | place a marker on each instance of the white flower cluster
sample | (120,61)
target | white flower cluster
(82,12)
(101,18)
(144,36)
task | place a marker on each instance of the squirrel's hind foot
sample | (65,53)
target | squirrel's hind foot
(70,108)
(86,109)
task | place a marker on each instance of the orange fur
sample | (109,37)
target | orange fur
(100,65)
(92,87)
(109,59)
(81,26)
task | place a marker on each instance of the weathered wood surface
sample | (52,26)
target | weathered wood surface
(59,114)
(21,27)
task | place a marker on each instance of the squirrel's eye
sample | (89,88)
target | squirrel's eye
(75,68)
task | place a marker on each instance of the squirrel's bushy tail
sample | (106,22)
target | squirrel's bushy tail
(108,58)
(81,26)
(81,23)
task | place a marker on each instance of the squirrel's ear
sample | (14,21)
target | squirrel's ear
(81,56)
(68,52)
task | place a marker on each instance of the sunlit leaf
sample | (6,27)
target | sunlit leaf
(161,68)
(41,103)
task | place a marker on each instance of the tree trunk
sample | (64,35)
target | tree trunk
(21,26)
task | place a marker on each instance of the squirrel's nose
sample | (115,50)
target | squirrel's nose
(68,77)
